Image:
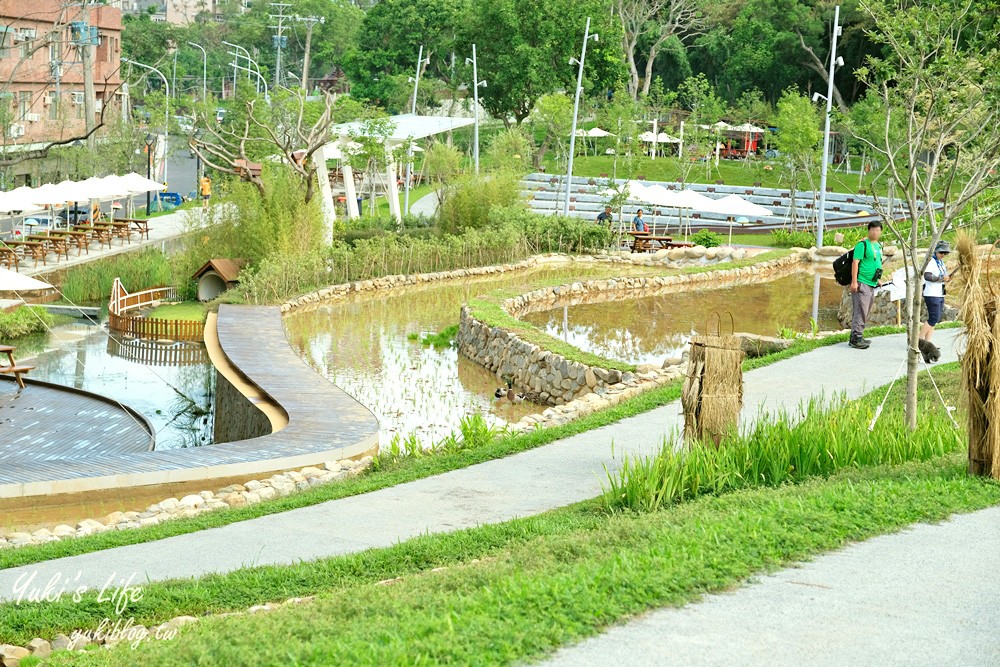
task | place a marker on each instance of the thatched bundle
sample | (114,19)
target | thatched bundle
(981,361)
(713,391)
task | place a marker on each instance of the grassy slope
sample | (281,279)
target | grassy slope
(520,590)
(523,587)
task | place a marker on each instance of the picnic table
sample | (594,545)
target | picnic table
(79,238)
(100,233)
(122,230)
(643,242)
(36,248)
(12,368)
(57,244)
(141,226)
(9,257)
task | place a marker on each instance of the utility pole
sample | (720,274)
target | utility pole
(279,37)
(310,22)
(86,42)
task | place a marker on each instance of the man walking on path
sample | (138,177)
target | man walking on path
(866,269)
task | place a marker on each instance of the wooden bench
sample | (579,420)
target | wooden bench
(9,257)
(100,234)
(79,238)
(57,244)
(34,248)
(13,368)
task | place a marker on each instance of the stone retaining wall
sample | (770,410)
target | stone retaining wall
(555,380)
(236,416)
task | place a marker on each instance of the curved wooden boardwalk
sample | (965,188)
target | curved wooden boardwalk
(324,423)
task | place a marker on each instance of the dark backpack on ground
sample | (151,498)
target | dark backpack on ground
(842,265)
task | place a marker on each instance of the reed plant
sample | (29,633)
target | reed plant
(91,281)
(783,449)
(24,321)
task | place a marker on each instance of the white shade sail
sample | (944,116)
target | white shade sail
(736,205)
(12,281)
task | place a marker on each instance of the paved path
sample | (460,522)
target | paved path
(555,475)
(927,596)
(426,205)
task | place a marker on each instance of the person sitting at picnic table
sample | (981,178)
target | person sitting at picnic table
(605,217)
(638,224)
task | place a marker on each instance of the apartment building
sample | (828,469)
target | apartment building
(41,69)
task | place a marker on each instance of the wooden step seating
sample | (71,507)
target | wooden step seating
(12,368)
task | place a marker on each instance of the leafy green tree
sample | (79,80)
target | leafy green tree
(798,139)
(145,40)
(389,39)
(698,97)
(510,150)
(524,47)
(443,162)
(553,116)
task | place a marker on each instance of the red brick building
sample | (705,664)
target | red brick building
(41,73)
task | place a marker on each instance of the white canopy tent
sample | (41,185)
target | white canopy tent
(405,127)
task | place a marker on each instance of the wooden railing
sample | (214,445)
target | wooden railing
(121,302)
(157,354)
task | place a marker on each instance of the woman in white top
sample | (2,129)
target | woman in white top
(935,277)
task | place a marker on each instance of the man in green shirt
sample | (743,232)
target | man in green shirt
(865,273)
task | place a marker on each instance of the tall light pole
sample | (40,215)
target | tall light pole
(834,62)
(476,83)
(246,54)
(260,77)
(576,110)
(166,118)
(204,70)
(413,110)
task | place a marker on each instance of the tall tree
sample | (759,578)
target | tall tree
(553,116)
(940,130)
(646,26)
(390,38)
(524,47)
(798,139)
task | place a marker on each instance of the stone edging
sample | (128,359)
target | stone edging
(234,495)
(676,257)
(574,389)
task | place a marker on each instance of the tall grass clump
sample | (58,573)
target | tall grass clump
(776,451)
(466,201)
(24,321)
(138,271)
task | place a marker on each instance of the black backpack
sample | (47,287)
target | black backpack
(842,265)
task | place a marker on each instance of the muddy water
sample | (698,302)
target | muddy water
(651,329)
(361,343)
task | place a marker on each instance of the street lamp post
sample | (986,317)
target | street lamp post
(834,62)
(576,110)
(236,60)
(204,70)
(476,83)
(166,115)
(150,142)
(260,77)
(421,61)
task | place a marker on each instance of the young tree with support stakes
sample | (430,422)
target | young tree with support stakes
(939,135)
(798,140)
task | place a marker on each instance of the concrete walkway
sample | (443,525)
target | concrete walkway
(564,472)
(161,229)
(426,205)
(926,596)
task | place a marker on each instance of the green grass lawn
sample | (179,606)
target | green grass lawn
(516,591)
(193,311)
(730,172)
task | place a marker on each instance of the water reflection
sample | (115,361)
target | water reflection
(361,344)
(173,386)
(651,329)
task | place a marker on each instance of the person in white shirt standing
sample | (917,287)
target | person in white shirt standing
(935,278)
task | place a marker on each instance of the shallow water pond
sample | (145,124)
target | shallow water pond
(361,344)
(173,386)
(651,329)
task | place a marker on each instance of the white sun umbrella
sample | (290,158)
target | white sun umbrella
(733,206)
(18,202)
(658,195)
(12,281)
(598,133)
(51,195)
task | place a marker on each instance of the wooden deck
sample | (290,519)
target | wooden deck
(324,423)
(45,423)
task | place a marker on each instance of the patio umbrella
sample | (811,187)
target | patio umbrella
(12,281)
